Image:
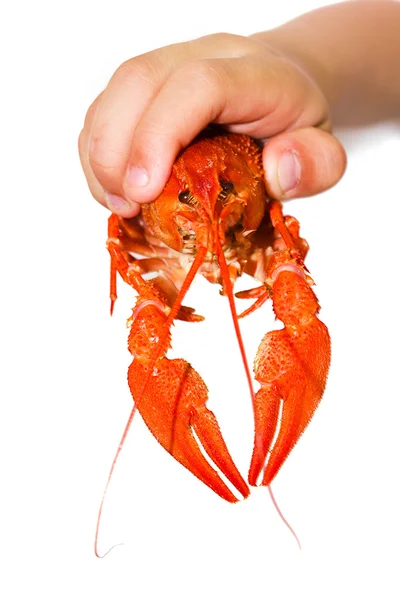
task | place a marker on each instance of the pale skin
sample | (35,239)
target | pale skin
(338,65)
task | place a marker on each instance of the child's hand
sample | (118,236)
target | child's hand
(156,103)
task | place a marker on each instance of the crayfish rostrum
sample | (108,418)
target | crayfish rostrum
(214,218)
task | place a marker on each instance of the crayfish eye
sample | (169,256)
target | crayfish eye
(184,197)
(227,187)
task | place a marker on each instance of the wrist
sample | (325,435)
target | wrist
(350,50)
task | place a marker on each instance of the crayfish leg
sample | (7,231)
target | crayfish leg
(261,293)
(119,263)
(292,366)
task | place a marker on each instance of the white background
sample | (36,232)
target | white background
(64,396)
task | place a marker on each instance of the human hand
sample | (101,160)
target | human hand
(156,103)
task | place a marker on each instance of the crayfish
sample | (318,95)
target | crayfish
(214,218)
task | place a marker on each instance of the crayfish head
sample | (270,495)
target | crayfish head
(214,181)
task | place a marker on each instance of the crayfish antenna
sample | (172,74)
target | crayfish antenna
(286,522)
(204,421)
(114,462)
(229,292)
(228,288)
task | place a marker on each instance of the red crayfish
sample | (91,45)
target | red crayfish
(215,218)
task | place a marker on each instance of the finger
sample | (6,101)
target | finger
(303,162)
(192,98)
(259,96)
(108,141)
(123,208)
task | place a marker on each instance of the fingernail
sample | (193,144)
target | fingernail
(289,171)
(116,203)
(137,177)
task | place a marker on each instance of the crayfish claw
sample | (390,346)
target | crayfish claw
(292,367)
(266,414)
(207,429)
(173,407)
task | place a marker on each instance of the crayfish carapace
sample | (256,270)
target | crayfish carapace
(214,218)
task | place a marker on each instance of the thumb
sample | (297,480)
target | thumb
(303,162)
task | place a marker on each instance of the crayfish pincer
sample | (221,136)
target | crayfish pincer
(214,218)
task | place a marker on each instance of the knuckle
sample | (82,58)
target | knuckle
(226,44)
(222,36)
(134,71)
(206,72)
